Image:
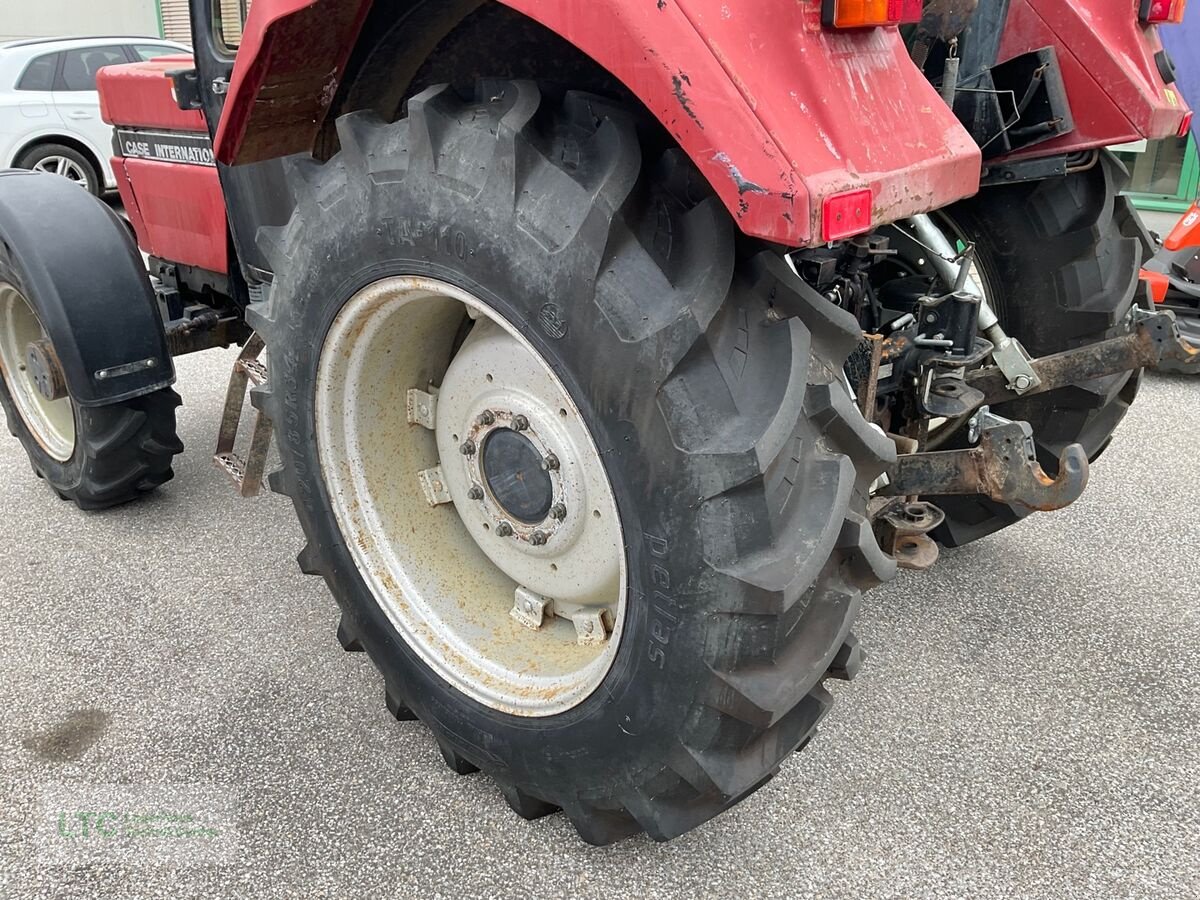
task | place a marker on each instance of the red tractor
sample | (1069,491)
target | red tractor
(1174,276)
(613,349)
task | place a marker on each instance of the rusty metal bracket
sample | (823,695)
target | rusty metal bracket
(867,389)
(246,473)
(1155,338)
(902,528)
(1002,467)
(203,332)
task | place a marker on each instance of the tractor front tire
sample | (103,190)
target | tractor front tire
(518,248)
(94,456)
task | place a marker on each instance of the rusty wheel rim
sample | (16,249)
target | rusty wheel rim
(471,496)
(51,422)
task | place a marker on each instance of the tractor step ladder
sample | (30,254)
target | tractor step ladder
(247,472)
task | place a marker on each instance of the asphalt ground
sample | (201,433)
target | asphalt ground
(1026,724)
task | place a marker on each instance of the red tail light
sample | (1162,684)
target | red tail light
(846,214)
(1186,125)
(872,13)
(1162,12)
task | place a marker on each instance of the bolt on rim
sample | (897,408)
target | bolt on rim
(51,422)
(471,495)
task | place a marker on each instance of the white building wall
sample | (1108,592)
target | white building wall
(53,18)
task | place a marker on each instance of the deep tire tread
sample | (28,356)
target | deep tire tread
(770,653)
(122,451)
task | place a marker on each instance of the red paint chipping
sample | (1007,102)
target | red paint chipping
(762,111)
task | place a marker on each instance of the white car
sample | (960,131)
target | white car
(50,111)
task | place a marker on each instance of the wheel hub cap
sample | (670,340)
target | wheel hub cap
(517,476)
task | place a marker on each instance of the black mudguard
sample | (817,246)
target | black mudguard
(75,262)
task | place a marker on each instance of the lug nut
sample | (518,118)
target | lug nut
(550,463)
(475,493)
(467,448)
(558,511)
(486,417)
(520,423)
(504,529)
(537,538)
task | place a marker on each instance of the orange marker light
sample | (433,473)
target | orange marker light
(873,13)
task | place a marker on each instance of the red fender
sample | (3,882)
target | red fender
(779,113)
(1107,59)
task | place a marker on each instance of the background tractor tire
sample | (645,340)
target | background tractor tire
(1060,260)
(94,456)
(738,462)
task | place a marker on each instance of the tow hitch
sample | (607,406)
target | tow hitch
(1002,465)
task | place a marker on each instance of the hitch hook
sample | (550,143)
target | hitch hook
(1003,468)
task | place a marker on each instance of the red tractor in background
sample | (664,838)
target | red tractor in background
(614,349)
(1174,276)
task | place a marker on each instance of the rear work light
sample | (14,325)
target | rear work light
(1161,12)
(870,13)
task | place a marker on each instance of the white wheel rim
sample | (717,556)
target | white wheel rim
(62,166)
(51,422)
(447,576)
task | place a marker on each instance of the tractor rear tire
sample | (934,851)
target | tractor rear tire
(738,462)
(1059,259)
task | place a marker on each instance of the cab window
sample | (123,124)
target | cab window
(230,16)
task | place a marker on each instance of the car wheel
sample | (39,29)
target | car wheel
(67,162)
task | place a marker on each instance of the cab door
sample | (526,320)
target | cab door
(256,194)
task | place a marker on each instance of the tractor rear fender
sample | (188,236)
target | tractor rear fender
(1110,68)
(78,267)
(792,124)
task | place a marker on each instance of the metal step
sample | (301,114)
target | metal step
(245,472)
